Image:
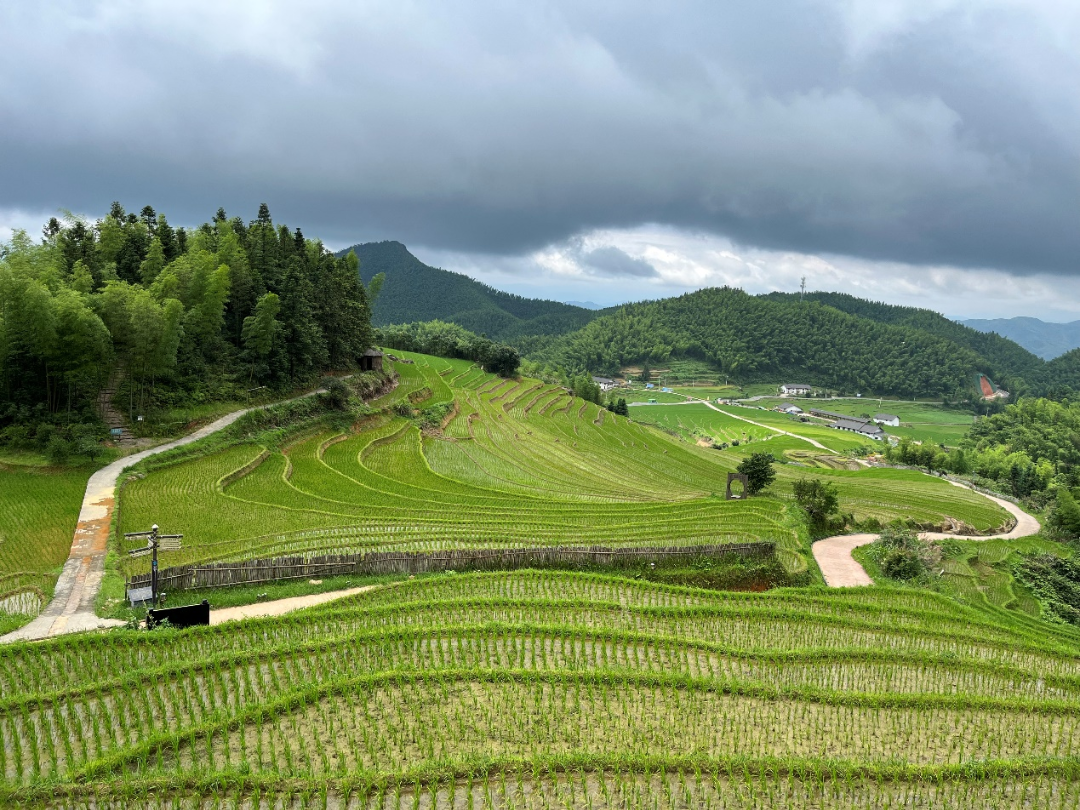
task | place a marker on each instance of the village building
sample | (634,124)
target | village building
(787,407)
(890,419)
(371,360)
(605,383)
(795,390)
(860,426)
(828,414)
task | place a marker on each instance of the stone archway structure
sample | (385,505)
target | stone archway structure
(742,479)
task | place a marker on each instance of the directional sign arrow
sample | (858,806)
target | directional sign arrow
(140,552)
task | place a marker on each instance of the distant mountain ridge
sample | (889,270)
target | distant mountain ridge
(413,291)
(1047,340)
(830,339)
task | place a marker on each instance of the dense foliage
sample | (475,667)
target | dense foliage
(444,339)
(759,472)
(1056,581)
(186,316)
(819,499)
(754,338)
(416,292)
(1010,365)
(1031,446)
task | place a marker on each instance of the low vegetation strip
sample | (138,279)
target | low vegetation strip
(558,687)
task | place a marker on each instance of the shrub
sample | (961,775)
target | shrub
(905,556)
(58,450)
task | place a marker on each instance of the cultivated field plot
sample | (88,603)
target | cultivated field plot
(700,421)
(516,463)
(554,689)
(39,507)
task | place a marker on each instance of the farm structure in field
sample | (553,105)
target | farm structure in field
(851,424)
(890,419)
(659,697)
(861,426)
(795,389)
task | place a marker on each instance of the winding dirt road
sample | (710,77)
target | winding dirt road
(833,554)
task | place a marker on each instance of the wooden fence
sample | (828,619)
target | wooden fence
(214,575)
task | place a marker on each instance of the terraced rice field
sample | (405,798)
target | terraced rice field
(695,421)
(38,511)
(553,689)
(519,463)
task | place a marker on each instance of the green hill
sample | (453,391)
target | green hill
(760,338)
(1009,363)
(413,291)
(1064,372)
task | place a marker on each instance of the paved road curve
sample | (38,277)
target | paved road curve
(833,554)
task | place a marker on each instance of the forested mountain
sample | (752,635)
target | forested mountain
(181,317)
(1048,340)
(1011,366)
(765,338)
(413,291)
(1063,373)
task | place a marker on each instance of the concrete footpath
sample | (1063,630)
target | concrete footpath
(72,607)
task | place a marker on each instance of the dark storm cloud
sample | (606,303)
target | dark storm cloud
(924,132)
(610,261)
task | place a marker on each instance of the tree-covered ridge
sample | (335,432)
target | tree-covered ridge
(187,315)
(757,338)
(413,291)
(1030,446)
(1063,373)
(1010,365)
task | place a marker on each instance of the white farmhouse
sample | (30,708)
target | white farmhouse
(605,383)
(890,419)
(795,390)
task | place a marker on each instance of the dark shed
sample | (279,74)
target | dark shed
(371,360)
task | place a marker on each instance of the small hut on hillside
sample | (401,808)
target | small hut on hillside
(371,360)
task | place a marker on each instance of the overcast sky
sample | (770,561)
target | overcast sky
(923,152)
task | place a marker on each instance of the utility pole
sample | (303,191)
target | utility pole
(802,289)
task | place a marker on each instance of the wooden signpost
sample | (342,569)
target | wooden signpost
(155,542)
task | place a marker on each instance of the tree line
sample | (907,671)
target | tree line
(177,316)
(444,339)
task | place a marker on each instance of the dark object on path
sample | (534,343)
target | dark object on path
(180,617)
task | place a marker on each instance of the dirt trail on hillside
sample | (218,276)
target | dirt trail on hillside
(280,606)
(833,554)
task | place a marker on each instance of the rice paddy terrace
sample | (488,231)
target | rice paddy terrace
(555,689)
(515,463)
